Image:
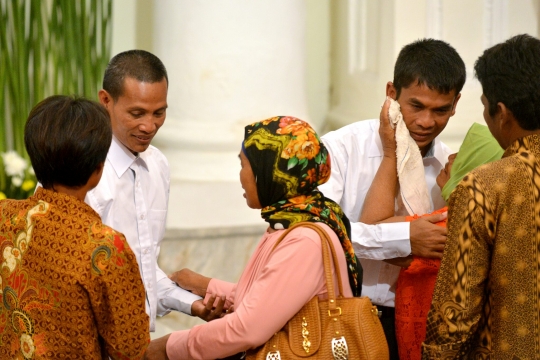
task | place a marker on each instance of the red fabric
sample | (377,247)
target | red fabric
(414,291)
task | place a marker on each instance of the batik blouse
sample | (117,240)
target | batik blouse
(69,286)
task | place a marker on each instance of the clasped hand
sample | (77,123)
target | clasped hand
(428,239)
(197,284)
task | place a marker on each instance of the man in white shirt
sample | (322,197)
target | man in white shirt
(133,194)
(428,77)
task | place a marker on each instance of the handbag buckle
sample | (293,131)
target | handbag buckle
(338,309)
(273,355)
(340,350)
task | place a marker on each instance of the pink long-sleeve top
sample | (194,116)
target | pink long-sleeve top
(274,286)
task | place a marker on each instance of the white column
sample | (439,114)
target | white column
(230,63)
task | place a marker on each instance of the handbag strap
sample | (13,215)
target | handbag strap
(326,260)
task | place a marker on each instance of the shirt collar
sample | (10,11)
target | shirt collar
(435,151)
(529,143)
(122,159)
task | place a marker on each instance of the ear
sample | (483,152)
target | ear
(391,90)
(505,118)
(99,168)
(456,99)
(105,98)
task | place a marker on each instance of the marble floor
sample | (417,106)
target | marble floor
(214,252)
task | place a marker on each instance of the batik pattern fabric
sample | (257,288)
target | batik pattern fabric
(289,161)
(414,289)
(69,286)
(486,299)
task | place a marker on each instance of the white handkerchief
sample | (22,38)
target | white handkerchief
(410,167)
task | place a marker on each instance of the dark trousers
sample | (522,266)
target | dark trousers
(388,322)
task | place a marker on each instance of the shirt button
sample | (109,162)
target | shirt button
(142,217)
(138,184)
(379,300)
(146,251)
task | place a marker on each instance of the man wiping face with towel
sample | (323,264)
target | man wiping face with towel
(428,77)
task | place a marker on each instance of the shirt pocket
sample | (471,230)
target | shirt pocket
(157,222)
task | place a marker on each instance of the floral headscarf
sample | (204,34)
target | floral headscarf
(289,161)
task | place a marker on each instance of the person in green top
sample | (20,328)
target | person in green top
(479,147)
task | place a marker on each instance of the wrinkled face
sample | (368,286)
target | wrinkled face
(425,112)
(249,184)
(137,115)
(444,175)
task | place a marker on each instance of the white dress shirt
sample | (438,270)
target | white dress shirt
(132,197)
(356,153)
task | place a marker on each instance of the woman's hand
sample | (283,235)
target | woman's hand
(386,132)
(212,310)
(191,281)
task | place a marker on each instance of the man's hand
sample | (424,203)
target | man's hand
(157,350)
(208,312)
(428,239)
(192,281)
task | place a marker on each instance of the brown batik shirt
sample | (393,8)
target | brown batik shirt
(70,286)
(486,300)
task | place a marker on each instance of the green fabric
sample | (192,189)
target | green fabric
(479,147)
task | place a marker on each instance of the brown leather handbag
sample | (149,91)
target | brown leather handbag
(338,328)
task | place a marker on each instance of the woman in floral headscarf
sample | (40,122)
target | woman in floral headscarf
(283,162)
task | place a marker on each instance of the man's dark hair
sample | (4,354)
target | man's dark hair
(510,73)
(137,64)
(67,139)
(431,62)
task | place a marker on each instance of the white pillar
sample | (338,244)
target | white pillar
(230,63)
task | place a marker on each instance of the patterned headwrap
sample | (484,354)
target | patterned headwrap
(289,161)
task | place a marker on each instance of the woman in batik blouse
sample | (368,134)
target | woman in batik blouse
(69,286)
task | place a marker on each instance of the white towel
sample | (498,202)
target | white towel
(410,167)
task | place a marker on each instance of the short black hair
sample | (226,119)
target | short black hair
(510,73)
(138,64)
(67,138)
(431,62)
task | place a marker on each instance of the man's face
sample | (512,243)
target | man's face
(137,115)
(425,112)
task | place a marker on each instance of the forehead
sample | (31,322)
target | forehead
(139,93)
(422,93)
(243,156)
